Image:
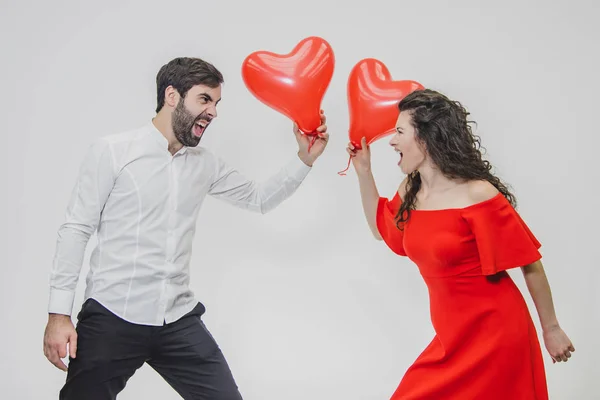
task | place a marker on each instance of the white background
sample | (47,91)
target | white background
(303,302)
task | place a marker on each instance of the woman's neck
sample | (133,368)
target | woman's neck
(434,181)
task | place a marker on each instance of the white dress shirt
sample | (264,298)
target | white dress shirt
(143,202)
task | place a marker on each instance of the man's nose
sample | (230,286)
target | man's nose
(212,111)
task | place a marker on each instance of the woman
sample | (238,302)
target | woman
(457,222)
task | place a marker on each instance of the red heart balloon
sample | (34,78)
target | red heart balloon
(293,84)
(373,99)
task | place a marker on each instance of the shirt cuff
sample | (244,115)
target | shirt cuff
(61,301)
(297,169)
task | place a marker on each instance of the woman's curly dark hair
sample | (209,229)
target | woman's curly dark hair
(441,125)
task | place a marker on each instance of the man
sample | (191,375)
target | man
(141,191)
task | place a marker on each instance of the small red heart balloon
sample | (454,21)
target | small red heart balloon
(373,99)
(293,84)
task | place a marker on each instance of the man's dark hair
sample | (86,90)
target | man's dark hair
(183,73)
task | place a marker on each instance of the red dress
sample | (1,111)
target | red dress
(486,346)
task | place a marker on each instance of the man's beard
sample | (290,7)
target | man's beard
(183,125)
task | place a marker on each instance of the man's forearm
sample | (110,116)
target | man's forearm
(282,185)
(262,197)
(94,185)
(68,259)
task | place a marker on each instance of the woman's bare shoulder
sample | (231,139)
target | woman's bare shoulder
(478,191)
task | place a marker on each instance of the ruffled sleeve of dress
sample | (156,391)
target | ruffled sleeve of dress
(503,239)
(386,224)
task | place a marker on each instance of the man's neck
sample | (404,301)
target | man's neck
(162,122)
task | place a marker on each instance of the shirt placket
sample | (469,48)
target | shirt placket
(171,226)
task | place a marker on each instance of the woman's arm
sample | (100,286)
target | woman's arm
(361,159)
(370,199)
(557,343)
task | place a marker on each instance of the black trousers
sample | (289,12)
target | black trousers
(110,350)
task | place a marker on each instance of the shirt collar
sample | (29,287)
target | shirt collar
(162,140)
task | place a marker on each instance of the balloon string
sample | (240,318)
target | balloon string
(312,141)
(343,173)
